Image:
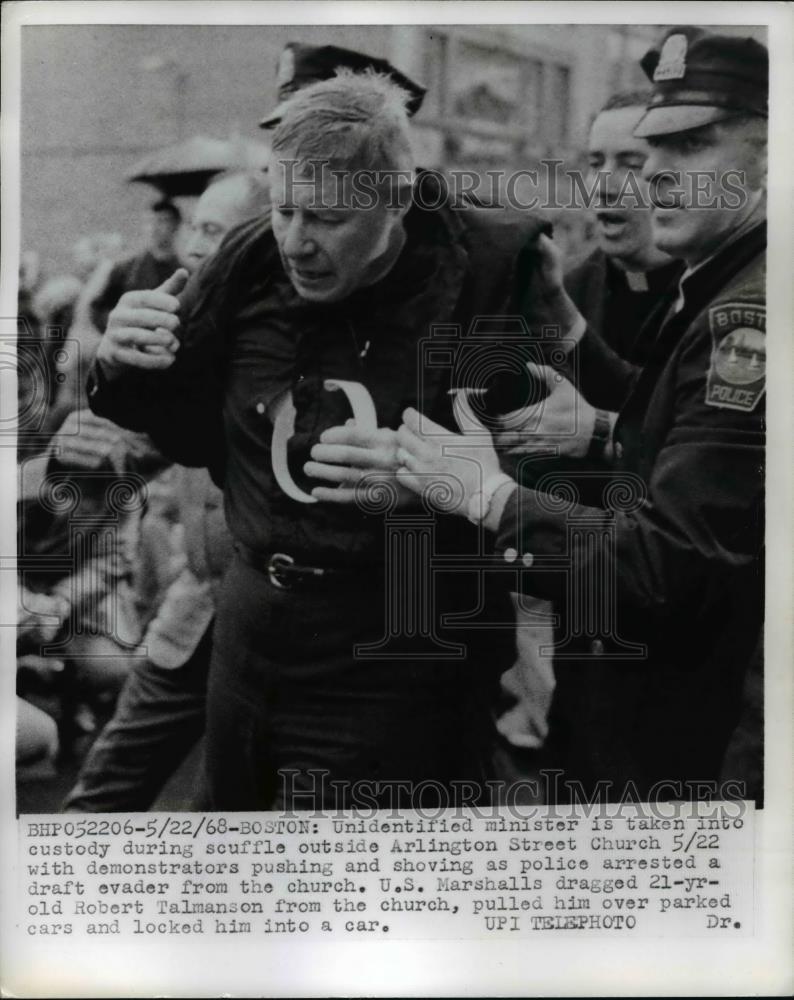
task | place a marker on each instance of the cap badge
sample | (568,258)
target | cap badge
(672,59)
(286,68)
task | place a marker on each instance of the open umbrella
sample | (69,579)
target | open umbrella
(185,169)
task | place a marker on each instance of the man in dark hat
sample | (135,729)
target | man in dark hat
(707,126)
(649,691)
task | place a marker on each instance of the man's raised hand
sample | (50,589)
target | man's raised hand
(140,330)
(547,306)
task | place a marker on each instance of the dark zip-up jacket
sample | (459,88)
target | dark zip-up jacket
(246,336)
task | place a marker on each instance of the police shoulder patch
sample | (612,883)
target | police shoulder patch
(737,374)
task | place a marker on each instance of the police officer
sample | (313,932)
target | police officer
(615,288)
(662,584)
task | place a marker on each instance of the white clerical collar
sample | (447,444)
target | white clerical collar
(749,223)
(637,281)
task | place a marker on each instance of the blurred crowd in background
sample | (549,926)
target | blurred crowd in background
(101,514)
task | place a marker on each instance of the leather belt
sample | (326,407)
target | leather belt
(285,574)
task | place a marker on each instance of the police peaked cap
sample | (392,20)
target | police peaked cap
(301,65)
(699,78)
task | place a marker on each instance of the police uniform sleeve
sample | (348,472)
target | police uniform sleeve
(599,373)
(674,528)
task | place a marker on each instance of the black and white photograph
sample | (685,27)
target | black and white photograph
(390,449)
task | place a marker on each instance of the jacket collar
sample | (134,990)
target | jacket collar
(699,286)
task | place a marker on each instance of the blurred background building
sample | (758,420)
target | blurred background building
(98,98)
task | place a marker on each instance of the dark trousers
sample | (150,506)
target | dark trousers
(159,717)
(296,721)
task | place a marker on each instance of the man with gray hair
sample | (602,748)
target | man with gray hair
(332,683)
(229,199)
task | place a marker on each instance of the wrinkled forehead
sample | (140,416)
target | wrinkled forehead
(330,184)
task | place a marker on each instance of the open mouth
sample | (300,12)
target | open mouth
(612,222)
(310,277)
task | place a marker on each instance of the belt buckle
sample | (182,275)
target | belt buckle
(274,563)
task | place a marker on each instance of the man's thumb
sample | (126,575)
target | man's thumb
(174,284)
(550,252)
(545,375)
